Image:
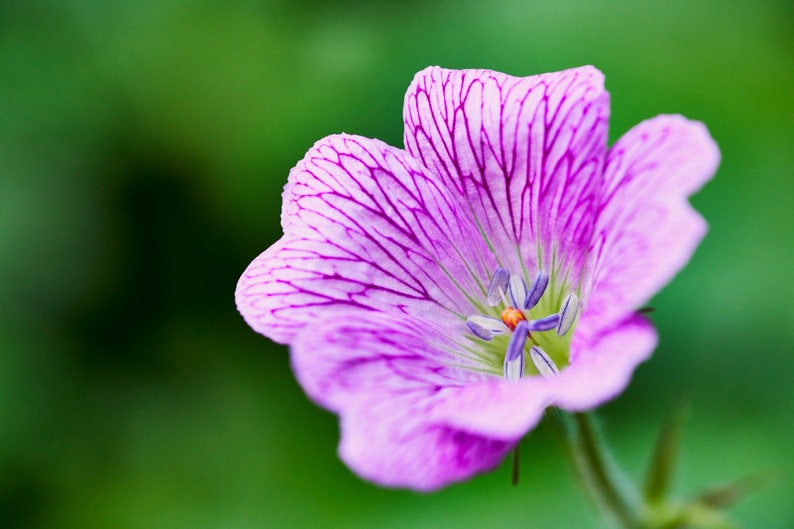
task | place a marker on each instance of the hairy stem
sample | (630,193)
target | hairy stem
(596,469)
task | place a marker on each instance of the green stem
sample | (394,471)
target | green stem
(595,467)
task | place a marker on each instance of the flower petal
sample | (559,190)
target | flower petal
(365,226)
(355,354)
(525,154)
(602,368)
(647,231)
(408,452)
(505,411)
(386,375)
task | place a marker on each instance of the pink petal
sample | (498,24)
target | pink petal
(602,371)
(647,231)
(387,376)
(525,154)
(411,418)
(408,452)
(365,226)
(602,368)
(354,355)
(496,408)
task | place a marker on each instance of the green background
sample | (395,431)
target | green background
(143,147)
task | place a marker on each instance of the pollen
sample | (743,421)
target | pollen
(512,317)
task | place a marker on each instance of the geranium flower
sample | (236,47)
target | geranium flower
(440,297)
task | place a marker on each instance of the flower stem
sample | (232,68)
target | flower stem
(515,463)
(597,470)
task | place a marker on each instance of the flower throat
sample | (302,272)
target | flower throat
(508,335)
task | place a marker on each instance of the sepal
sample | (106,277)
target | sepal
(663,461)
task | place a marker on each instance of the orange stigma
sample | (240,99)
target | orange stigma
(512,317)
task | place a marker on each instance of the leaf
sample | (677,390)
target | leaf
(660,470)
(726,495)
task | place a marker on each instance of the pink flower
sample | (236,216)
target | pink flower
(440,297)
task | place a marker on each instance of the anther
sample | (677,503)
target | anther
(544,364)
(537,289)
(514,357)
(544,324)
(568,312)
(518,291)
(485,327)
(498,286)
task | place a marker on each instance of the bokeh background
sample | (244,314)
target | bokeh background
(143,147)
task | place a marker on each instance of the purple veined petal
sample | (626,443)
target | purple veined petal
(568,311)
(498,287)
(525,154)
(518,291)
(485,327)
(392,380)
(544,324)
(646,230)
(365,226)
(356,352)
(537,289)
(542,362)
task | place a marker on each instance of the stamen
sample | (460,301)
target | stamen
(514,370)
(544,324)
(544,364)
(498,286)
(485,327)
(568,312)
(537,289)
(514,357)
(518,291)
(517,341)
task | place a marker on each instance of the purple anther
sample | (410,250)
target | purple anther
(498,286)
(514,370)
(516,346)
(544,324)
(518,291)
(485,327)
(568,312)
(537,289)
(544,364)
(514,357)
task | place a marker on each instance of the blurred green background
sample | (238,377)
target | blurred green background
(143,147)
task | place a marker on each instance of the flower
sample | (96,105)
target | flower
(440,297)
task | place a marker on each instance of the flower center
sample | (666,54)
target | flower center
(516,335)
(511,317)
